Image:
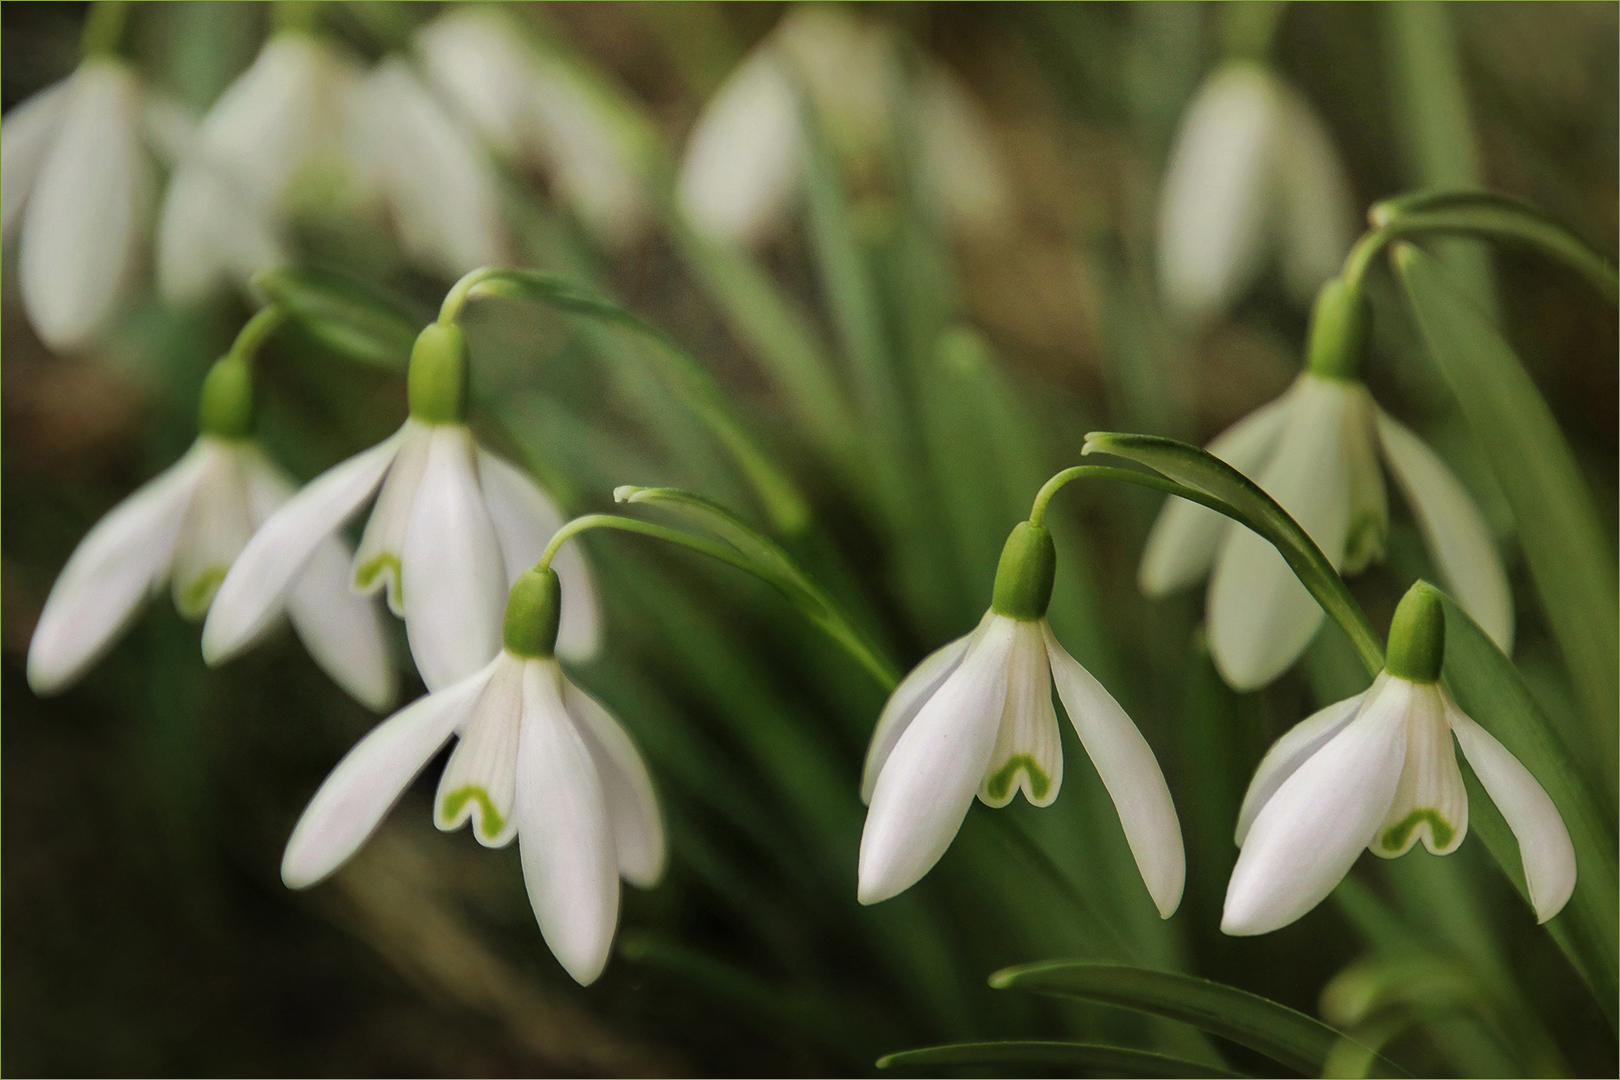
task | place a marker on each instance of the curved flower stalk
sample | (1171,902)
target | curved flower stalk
(1252,171)
(185,528)
(1378,771)
(976,718)
(537,760)
(529,107)
(452,528)
(744,158)
(1316,450)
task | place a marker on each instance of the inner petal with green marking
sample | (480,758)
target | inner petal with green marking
(489,821)
(194,596)
(1001,781)
(384,562)
(1398,837)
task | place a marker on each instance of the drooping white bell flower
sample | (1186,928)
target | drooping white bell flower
(744,158)
(1378,771)
(77,178)
(453,526)
(538,759)
(976,718)
(1316,450)
(532,107)
(1252,172)
(185,528)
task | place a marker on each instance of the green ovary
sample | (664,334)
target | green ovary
(490,821)
(366,573)
(1001,782)
(199,592)
(1440,829)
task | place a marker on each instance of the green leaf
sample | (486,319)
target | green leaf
(1572,564)
(1079,1056)
(1281,1033)
(351,317)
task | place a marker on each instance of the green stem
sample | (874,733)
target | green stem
(256,331)
(104,28)
(645,528)
(1037,512)
(461,292)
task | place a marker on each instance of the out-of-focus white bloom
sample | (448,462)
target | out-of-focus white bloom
(743,159)
(76,175)
(529,106)
(538,759)
(1315,450)
(186,527)
(976,718)
(1253,171)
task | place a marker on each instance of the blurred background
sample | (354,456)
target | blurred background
(922,335)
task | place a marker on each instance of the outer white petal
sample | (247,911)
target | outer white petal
(525,519)
(215,529)
(903,705)
(1129,771)
(268,569)
(1317,221)
(1028,755)
(82,232)
(450,567)
(1260,616)
(343,632)
(961,166)
(1292,750)
(1544,844)
(1456,533)
(1212,210)
(210,233)
(593,170)
(370,779)
(480,780)
(473,57)
(632,805)
(741,165)
(1307,836)
(565,837)
(377,560)
(1430,801)
(25,137)
(121,562)
(1183,541)
(925,788)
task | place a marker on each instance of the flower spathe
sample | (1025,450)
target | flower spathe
(185,527)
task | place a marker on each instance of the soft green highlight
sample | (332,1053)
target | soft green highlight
(1396,835)
(1417,636)
(490,821)
(437,379)
(1024,577)
(533,613)
(1340,324)
(1001,782)
(366,573)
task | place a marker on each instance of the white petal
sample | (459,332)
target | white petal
(926,787)
(1292,750)
(1260,616)
(741,164)
(565,838)
(1028,754)
(377,560)
(266,572)
(82,232)
(1212,210)
(1430,801)
(1307,836)
(592,168)
(473,57)
(1129,771)
(1457,536)
(525,519)
(118,565)
(215,529)
(25,137)
(370,779)
(480,780)
(450,567)
(902,707)
(210,234)
(1184,539)
(1317,219)
(961,168)
(1544,844)
(1369,509)
(344,633)
(638,830)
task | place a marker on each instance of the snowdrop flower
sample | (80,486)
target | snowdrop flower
(184,528)
(537,759)
(74,173)
(976,717)
(452,528)
(1316,451)
(533,107)
(743,162)
(1378,771)
(1252,170)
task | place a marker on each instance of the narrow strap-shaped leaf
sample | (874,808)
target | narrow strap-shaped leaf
(1571,563)
(351,317)
(1091,1057)
(1283,1034)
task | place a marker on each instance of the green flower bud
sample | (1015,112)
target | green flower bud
(1340,325)
(1025,574)
(437,380)
(533,610)
(1417,636)
(225,408)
